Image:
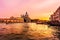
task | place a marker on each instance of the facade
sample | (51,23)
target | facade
(26,17)
(56,15)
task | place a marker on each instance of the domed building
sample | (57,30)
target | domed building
(26,17)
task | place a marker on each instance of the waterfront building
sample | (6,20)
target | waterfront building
(56,15)
(12,20)
(26,17)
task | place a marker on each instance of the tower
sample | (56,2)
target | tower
(26,14)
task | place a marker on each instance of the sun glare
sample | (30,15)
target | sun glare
(44,18)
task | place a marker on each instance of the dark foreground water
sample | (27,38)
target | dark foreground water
(28,31)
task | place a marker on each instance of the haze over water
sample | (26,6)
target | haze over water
(28,31)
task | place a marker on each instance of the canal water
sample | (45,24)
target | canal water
(28,31)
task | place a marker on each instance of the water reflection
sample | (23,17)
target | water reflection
(28,31)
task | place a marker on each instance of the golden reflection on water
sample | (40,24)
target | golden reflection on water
(34,30)
(41,31)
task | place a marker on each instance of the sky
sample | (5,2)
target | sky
(41,9)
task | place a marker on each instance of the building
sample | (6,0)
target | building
(56,15)
(26,17)
(12,20)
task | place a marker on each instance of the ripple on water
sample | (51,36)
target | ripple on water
(28,31)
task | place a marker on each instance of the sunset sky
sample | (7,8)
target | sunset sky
(41,9)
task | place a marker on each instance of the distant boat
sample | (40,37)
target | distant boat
(39,23)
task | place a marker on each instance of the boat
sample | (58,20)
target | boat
(39,22)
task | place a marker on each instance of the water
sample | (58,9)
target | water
(28,31)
